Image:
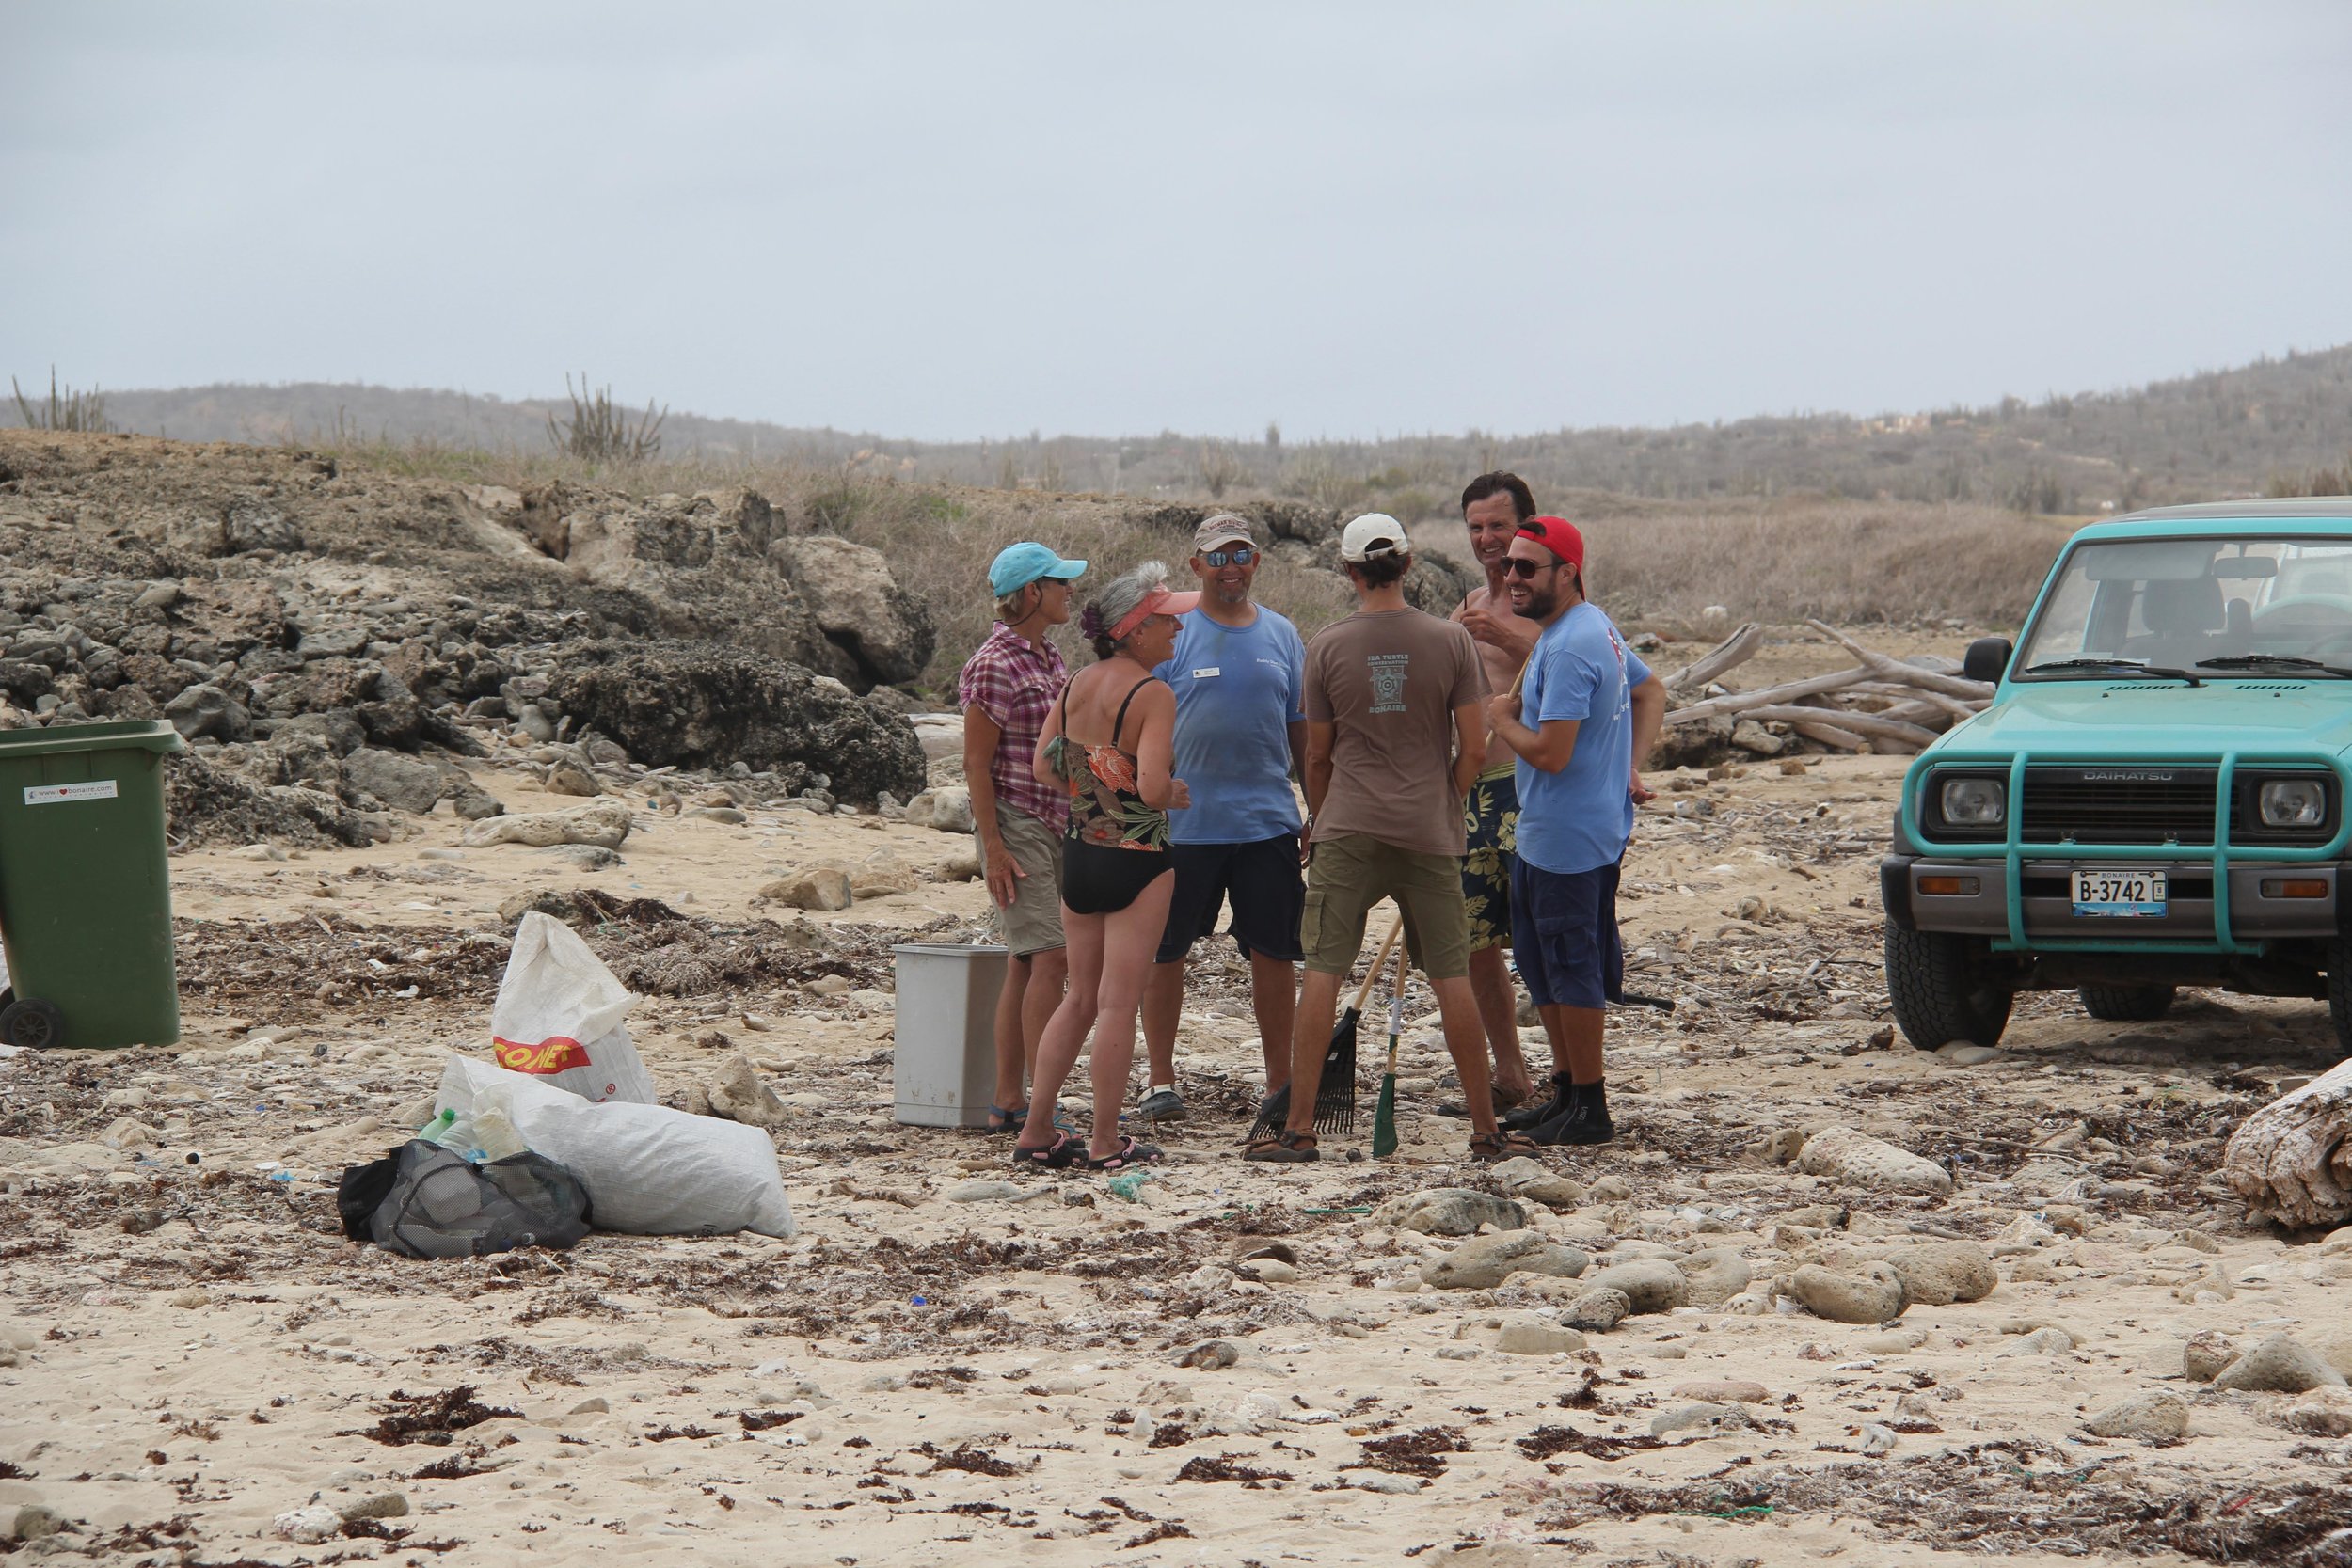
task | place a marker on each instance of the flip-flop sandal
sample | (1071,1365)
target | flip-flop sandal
(1129,1152)
(1489,1149)
(1062,1153)
(1285,1147)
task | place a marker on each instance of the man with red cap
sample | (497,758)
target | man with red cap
(1582,723)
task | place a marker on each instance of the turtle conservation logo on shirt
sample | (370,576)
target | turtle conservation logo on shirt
(1388,680)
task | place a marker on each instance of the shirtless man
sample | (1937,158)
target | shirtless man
(1494,505)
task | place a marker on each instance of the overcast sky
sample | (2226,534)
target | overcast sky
(956,220)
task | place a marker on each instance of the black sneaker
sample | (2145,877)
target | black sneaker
(1585,1121)
(1535,1113)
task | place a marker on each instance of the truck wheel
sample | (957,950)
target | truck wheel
(36,1025)
(1942,989)
(2127,1004)
(2340,994)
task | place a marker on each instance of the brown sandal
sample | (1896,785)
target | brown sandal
(1489,1149)
(1284,1147)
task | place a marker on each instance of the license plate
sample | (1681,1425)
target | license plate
(2126,893)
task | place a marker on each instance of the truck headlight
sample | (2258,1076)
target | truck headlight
(2292,803)
(1977,802)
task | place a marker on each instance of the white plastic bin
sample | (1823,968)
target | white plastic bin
(946,1062)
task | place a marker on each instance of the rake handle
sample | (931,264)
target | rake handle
(1372,977)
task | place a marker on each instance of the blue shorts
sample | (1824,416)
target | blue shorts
(1564,926)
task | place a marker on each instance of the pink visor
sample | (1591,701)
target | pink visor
(1158,602)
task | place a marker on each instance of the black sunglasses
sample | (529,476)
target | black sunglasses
(1240,555)
(1519,566)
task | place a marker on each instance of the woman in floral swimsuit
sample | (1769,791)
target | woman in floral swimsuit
(1110,741)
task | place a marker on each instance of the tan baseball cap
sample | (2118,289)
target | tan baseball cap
(1225,528)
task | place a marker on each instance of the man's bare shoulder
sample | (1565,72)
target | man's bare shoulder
(1477,598)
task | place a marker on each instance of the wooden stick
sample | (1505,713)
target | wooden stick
(1888,668)
(1959,707)
(1737,649)
(1396,929)
(1739,701)
(1869,725)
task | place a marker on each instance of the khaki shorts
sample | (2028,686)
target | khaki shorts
(1033,923)
(1352,872)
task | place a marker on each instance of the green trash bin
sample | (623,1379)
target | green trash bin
(85,886)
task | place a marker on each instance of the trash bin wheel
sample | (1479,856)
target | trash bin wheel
(31,1023)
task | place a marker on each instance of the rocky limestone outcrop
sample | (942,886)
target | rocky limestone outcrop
(693,706)
(858,604)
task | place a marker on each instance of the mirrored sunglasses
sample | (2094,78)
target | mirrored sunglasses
(1240,555)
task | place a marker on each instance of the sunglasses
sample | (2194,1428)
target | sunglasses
(1519,566)
(1240,555)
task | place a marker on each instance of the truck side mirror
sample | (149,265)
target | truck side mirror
(1986,657)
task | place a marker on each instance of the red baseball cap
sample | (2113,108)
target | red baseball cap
(1559,536)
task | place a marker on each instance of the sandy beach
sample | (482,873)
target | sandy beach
(1236,1365)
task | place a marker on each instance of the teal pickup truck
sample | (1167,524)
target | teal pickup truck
(2156,796)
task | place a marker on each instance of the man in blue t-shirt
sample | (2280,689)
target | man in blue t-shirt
(1582,723)
(1239,674)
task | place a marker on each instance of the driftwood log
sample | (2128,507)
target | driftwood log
(1882,704)
(1733,651)
(2292,1160)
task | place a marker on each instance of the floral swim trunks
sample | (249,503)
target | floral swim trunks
(1490,817)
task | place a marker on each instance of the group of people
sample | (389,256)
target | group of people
(1480,770)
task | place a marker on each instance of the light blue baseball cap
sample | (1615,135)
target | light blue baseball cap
(1016,567)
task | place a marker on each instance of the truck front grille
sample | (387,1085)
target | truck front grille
(2118,805)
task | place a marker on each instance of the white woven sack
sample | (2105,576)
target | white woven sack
(559,1016)
(648,1169)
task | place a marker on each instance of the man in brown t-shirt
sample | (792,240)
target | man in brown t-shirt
(1396,730)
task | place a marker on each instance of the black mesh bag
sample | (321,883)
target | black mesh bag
(437,1204)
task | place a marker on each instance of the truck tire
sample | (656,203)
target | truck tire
(2340,994)
(1942,989)
(2127,1004)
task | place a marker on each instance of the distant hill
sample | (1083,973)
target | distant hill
(2218,434)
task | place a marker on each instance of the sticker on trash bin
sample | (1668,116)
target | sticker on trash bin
(50,795)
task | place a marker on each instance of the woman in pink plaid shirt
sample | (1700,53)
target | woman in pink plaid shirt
(1006,688)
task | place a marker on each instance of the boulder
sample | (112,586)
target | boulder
(604,824)
(568,776)
(1874,1297)
(1716,1275)
(880,878)
(1709,1417)
(2204,1355)
(1530,1179)
(2156,1417)
(816,887)
(1529,1334)
(1450,1212)
(1482,1262)
(1942,1273)
(2279,1365)
(207,710)
(404,783)
(951,809)
(1597,1311)
(1854,1157)
(738,1094)
(1650,1284)
(697,705)
(849,589)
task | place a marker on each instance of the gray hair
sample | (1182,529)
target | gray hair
(1117,601)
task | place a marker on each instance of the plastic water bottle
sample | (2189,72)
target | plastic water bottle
(495,1135)
(456,1133)
(433,1131)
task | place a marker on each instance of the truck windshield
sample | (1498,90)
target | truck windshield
(2184,604)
